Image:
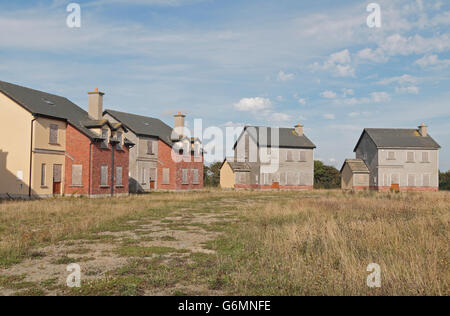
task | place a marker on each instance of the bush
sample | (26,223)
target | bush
(444,180)
(326,177)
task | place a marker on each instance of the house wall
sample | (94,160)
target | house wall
(368,151)
(347,178)
(227,180)
(15,131)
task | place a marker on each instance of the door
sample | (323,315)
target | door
(57,176)
(152,178)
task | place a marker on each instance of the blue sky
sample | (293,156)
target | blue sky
(235,62)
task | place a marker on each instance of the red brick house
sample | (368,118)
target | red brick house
(162,158)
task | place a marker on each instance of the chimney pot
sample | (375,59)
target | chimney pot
(299,129)
(179,124)
(96,104)
(423,130)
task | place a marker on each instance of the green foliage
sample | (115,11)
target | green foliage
(444,180)
(212,174)
(326,177)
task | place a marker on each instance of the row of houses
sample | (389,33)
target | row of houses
(50,146)
(386,159)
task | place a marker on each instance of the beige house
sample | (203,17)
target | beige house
(233,172)
(355,175)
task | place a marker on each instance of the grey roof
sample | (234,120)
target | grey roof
(239,166)
(399,138)
(144,126)
(356,166)
(44,104)
(287,138)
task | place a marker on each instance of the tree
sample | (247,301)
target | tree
(326,177)
(444,180)
(212,174)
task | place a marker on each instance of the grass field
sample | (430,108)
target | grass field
(228,243)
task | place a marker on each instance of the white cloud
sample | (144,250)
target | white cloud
(339,64)
(405,79)
(376,55)
(302,101)
(379,97)
(375,97)
(280,117)
(399,45)
(284,76)
(347,92)
(328,94)
(329,116)
(407,90)
(432,61)
(280,98)
(253,104)
(358,114)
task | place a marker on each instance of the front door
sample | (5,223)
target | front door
(57,176)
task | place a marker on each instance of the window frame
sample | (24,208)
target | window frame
(43,175)
(102,168)
(81,176)
(54,133)
(119,184)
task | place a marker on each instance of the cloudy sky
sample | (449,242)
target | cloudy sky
(236,62)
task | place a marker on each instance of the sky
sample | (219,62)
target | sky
(244,62)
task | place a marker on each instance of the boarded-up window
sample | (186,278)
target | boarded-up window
(43,168)
(119,176)
(104,176)
(292,178)
(425,157)
(303,156)
(77,175)
(166,176)
(150,147)
(185,176)
(410,156)
(153,174)
(283,178)
(361,179)
(197,150)
(57,173)
(395,179)
(411,180)
(195,177)
(426,180)
(289,156)
(391,156)
(53,134)
(144,174)
(119,139)
(105,138)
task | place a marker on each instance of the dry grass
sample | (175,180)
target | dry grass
(323,245)
(285,243)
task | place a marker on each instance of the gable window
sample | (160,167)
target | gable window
(105,138)
(425,157)
(53,134)
(119,139)
(77,175)
(119,181)
(410,156)
(391,156)
(166,176)
(185,175)
(197,150)
(104,176)
(43,168)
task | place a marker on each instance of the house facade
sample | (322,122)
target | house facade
(163,159)
(59,149)
(400,159)
(270,158)
(355,175)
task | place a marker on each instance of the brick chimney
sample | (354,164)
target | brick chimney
(423,130)
(96,104)
(299,129)
(179,124)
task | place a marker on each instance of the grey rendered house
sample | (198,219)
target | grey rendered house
(400,159)
(270,158)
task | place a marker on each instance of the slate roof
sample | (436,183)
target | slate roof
(399,138)
(49,105)
(287,138)
(356,166)
(239,166)
(143,125)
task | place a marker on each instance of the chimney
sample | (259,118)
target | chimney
(179,124)
(96,104)
(299,129)
(423,130)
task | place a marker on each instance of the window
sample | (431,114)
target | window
(153,174)
(119,139)
(143,176)
(197,150)
(410,156)
(292,178)
(77,175)
(150,149)
(195,176)
(426,180)
(104,176)
(166,176)
(105,138)
(185,176)
(53,134)
(425,157)
(43,168)
(303,156)
(283,178)
(289,156)
(119,178)
(391,156)
(395,179)
(411,180)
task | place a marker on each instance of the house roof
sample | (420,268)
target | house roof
(356,166)
(238,166)
(399,138)
(287,138)
(144,126)
(41,103)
